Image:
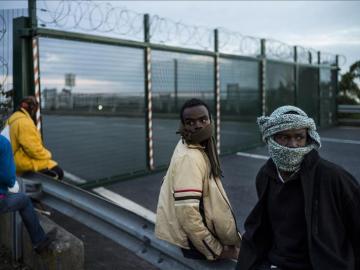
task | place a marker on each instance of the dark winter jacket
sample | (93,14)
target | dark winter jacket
(332,212)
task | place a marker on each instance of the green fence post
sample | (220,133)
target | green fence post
(296,76)
(176,86)
(32,13)
(148,95)
(336,87)
(23,72)
(263,76)
(319,89)
(217,88)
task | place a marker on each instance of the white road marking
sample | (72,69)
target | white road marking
(335,140)
(74,178)
(252,155)
(126,203)
(348,128)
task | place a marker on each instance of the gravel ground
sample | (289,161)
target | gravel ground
(6,262)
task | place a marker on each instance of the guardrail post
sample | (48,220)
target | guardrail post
(16,224)
(217,89)
(148,95)
(263,76)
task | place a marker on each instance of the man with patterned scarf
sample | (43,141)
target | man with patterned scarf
(308,212)
(193,210)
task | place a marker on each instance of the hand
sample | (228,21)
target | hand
(15,188)
(229,252)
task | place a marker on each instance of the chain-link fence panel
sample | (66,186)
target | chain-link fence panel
(280,85)
(93,107)
(176,77)
(327,98)
(308,91)
(240,104)
(6,60)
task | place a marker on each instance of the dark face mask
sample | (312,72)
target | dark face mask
(198,136)
(205,137)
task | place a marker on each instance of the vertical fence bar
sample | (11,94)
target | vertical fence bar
(296,75)
(22,61)
(32,13)
(16,223)
(319,88)
(35,61)
(336,90)
(36,67)
(176,85)
(263,75)
(217,88)
(148,95)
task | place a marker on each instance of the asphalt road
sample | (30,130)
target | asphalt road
(97,147)
(339,144)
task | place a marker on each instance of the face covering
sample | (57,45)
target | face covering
(286,158)
(285,118)
(205,137)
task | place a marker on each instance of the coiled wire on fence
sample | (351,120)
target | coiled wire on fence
(3,62)
(279,50)
(166,31)
(236,43)
(5,101)
(106,18)
(89,16)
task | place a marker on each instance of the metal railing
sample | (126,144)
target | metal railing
(131,230)
(348,109)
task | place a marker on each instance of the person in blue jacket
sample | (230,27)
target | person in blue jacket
(10,202)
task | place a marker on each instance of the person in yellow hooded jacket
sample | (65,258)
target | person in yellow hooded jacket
(29,152)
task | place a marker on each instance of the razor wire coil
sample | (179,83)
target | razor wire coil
(103,17)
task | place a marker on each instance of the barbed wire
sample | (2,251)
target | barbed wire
(89,16)
(236,43)
(279,50)
(166,31)
(103,17)
(327,58)
(5,98)
(3,62)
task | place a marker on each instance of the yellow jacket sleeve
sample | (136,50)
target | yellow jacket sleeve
(188,186)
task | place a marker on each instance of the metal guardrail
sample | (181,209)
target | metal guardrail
(124,227)
(349,108)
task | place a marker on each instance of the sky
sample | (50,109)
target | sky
(328,26)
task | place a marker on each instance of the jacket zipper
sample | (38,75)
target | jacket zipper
(232,213)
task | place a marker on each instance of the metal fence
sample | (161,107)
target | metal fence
(110,105)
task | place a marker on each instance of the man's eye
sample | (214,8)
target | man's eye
(204,120)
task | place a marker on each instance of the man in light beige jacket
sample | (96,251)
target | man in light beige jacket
(193,210)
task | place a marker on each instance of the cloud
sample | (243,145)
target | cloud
(349,36)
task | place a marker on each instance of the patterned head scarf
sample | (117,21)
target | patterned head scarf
(285,118)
